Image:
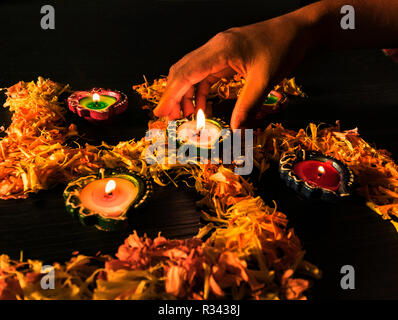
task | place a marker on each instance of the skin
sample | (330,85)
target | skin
(266,52)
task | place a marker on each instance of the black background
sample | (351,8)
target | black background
(113,43)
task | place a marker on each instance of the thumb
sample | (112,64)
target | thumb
(253,92)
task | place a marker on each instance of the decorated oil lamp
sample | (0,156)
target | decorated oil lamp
(316,176)
(106,200)
(275,99)
(97,104)
(275,102)
(200,132)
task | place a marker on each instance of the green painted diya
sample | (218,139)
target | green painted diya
(97,104)
(275,100)
(106,200)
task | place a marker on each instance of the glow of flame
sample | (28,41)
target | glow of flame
(321,170)
(110,186)
(96,97)
(200,120)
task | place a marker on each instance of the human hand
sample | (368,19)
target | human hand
(263,53)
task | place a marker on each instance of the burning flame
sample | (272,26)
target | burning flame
(96,97)
(321,170)
(200,120)
(110,186)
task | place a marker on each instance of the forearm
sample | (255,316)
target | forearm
(376,24)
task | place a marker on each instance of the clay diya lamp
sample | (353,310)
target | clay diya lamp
(97,104)
(316,176)
(108,199)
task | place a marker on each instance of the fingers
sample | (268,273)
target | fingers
(171,99)
(187,72)
(187,102)
(253,92)
(180,93)
(202,92)
(190,70)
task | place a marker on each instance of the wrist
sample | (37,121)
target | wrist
(309,23)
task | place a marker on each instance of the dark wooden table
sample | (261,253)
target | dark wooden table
(112,44)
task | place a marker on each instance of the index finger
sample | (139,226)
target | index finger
(171,98)
(190,70)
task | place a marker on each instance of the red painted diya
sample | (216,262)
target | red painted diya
(98,104)
(316,176)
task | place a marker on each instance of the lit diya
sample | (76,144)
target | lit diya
(104,200)
(97,104)
(316,176)
(200,133)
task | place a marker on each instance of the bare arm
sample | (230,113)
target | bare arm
(266,52)
(376,23)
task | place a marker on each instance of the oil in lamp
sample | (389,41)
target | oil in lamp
(97,104)
(199,133)
(106,200)
(202,132)
(316,176)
